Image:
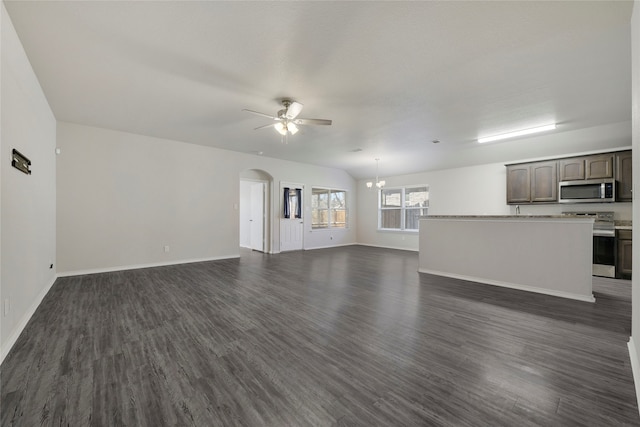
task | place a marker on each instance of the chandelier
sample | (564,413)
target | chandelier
(379,183)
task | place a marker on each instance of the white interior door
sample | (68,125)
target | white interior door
(291,229)
(257,216)
(245,214)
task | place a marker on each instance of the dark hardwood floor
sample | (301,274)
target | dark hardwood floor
(344,336)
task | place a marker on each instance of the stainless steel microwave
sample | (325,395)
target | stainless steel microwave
(587,191)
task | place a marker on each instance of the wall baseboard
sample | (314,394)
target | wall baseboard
(11,341)
(635,367)
(388,247)
(330,246)
(139,266)
(585,298)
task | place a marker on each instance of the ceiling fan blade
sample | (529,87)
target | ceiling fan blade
(293,110)
(260,114)
(264,126)
(312,121)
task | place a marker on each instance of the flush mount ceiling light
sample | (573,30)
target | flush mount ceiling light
(517,133)
(379,183)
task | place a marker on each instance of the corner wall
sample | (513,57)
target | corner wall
(123,197)
(463,191)
(28,202)
(634,342)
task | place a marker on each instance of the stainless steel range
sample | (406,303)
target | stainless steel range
(604,242)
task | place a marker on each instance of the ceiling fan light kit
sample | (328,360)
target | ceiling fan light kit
(286,119)
(284,127)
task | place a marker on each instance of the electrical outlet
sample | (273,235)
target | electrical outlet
(166,248)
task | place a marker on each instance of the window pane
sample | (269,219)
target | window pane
(319,198)
(293,203)
(416,197)
(391,198)
(338,199)
(319,218)
(401,208)
(338,208)
(390,218)
(412,218)
(328,208)
(339,218)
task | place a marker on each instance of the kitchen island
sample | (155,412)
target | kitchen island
(546,254)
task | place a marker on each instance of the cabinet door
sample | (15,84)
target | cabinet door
(572,169)
(624,176)
(599,166)
(624,259)
(544,181)
(518,184)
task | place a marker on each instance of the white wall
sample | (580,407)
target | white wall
(123,197)
(470,190)
(28,201)
(634,343)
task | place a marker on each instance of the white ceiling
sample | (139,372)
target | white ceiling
(393,76)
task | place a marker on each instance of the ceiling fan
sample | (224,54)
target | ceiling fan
(286,119)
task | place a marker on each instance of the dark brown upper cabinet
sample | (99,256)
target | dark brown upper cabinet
(586,167)
(518,184)
(598,166)
(572,169)
(537,182)
(544,182)
(624,177)
(532,183)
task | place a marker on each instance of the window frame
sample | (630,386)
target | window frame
(330,191)
(403,208)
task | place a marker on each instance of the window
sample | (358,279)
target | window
(328,208)
(401,208)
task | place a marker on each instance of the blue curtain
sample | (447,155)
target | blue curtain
(299,203)
(287,208)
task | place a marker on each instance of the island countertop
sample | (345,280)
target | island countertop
(563,217)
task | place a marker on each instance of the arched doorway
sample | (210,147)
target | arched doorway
(255,207)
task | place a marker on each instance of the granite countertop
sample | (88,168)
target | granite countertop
(567,217)
(623,225)
(619,224)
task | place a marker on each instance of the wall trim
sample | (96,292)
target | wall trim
(387,247)
(139,266)
(537,290)
(330,246)
(635,368)
(11,340)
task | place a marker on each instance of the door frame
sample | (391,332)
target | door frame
(267,226)
(292,185)
(263,215)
